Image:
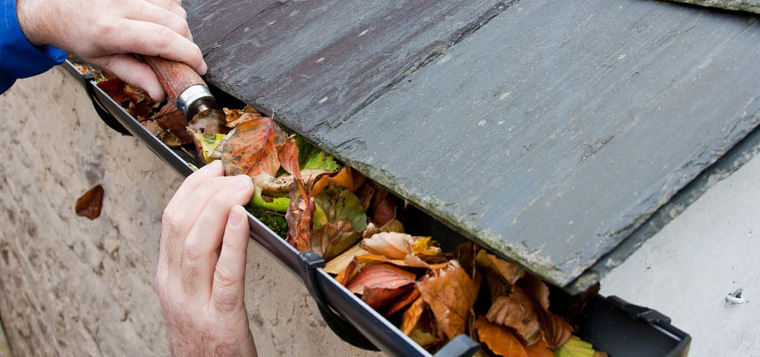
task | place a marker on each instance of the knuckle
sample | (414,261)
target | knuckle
(192,250)
(226,279)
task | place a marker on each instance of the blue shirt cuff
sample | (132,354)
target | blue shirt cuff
(18,57)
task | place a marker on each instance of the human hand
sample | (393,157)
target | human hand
(105,33)
(201,287)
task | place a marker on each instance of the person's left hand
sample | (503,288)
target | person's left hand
(200,284)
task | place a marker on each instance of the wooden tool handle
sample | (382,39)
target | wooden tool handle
(174,76)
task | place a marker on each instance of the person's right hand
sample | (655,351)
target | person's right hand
(105,33)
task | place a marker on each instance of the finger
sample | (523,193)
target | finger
(134,72)
(228,290)
(194,181)
(199,255)
(182,212)
(174,6)
(151,39)
(165,13)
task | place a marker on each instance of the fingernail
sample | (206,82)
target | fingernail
(244,183)
(236,215)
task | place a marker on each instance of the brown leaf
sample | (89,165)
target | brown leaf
(287,153)
(333,238)
(172,120)
(509,272)
(392,226)
(299,217)
(252,149)
(91,202)
(403,301)
(418,324)
(499,339)
(517,312)
(237,116)
(450,295)
(384,210)
(556,330)
(210,121)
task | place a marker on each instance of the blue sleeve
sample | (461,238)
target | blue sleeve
(18,57)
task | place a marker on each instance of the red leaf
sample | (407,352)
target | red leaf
(252,149)
(380,276)
(90,204)
(299,217)
(403,302)
(172,120)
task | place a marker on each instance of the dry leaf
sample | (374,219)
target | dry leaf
(450,295)
(299,217)
(348,272)
(91,202)
(391,245)
(418,324)
(339,263)
(333,238)
(504,269)
(403,301)
(348,178)
(172,120)
(236,116)
(392,226)
(516,311)
(499,339)
(380,284)
(556,330)
(287,153)
(252,149)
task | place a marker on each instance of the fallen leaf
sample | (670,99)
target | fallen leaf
(299,217)
(379,284)
(287,153)
(509,272)
(392,226)
(207,145)
(403,301)
(210,121)
(389,244)
(339,203)
(252,149)
(417,323)
(339,263)
(450,293)
(90,203)
(236,116)
(333,238)
(540,349)
(499,339)
(556,330)
(348,272)
(517,312)
(172,120)
(348,178)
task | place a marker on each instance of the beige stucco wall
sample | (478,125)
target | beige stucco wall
(74,287)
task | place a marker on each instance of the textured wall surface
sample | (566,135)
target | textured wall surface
(74,287)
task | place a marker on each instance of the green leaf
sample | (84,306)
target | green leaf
(278,204)
(340,204)
(312,157)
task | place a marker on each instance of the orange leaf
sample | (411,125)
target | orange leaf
(450,295)
(90,204)
(237,116)
(348,178)
(252,149)
(348,273)
(540,349)
(339,263)
(287,153)
(516,311)
(418,325)
(498,339)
